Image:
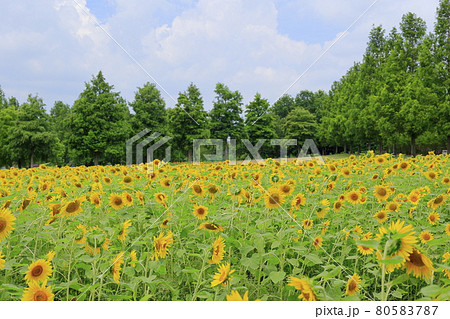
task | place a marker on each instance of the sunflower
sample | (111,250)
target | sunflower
(40,270)
(419,265)
(161,198)
(6,223)
(273,198)
(211,226)
(116,201)
(36,292)
(431,175)
(322,212)
(200,211)
(299,200)
(124,231)
(445,258)
(317,243)
(413,197)
(307,223)
(117,266)
(213,190)
(127,180)
(25,203)
(140,197)
(447,229)
(165,223)
(337,205)
(95,199)
(286,189)
(50,255)
(392,206)
(446,180)
(307,293)
(433,218)
(133,256)
(218,250)
(2,261)
(381,193)
(198,190)
(353,285)
(107,180)
(80,237)
(436,202)
(353,197)
(425,236)
(128,199)
(223,275)
(363,249)
(382,216)
(396,240)
(161,245)
(235,296)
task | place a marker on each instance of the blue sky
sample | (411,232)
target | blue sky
(52,47)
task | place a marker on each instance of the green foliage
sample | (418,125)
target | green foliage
(259,124)
(99,124)
(188,121)
(149,109)
(31,139)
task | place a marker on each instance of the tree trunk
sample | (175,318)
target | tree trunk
(413,145)
(380,148)
(189,155)
(351,149)
(32,159)
(394,149)
(448,144)
(345,148)
(96,158)
(359,149)
(336,150)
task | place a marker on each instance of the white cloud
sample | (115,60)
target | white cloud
(52,47)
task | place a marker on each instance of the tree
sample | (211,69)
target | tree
(31,138)
(149,109)
(59,118)
(300,125)
(8,119)
(225,116)
(283,106)
(442,62)
(99,124)
(188,121)
(259,123)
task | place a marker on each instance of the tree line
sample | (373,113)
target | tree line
(396,99)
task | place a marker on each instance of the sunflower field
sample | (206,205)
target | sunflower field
(372,227)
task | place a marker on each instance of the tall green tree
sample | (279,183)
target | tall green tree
(59,118)
(259,124)
(300,125)
(442,62)
(99,124)
(188,121)
(31,137)
(283,106)
(225,116)
(150,109)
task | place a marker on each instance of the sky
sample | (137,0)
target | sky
(53,47)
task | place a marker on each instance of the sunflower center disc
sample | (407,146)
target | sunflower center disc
(2,224)
(40,296)
(37,271)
